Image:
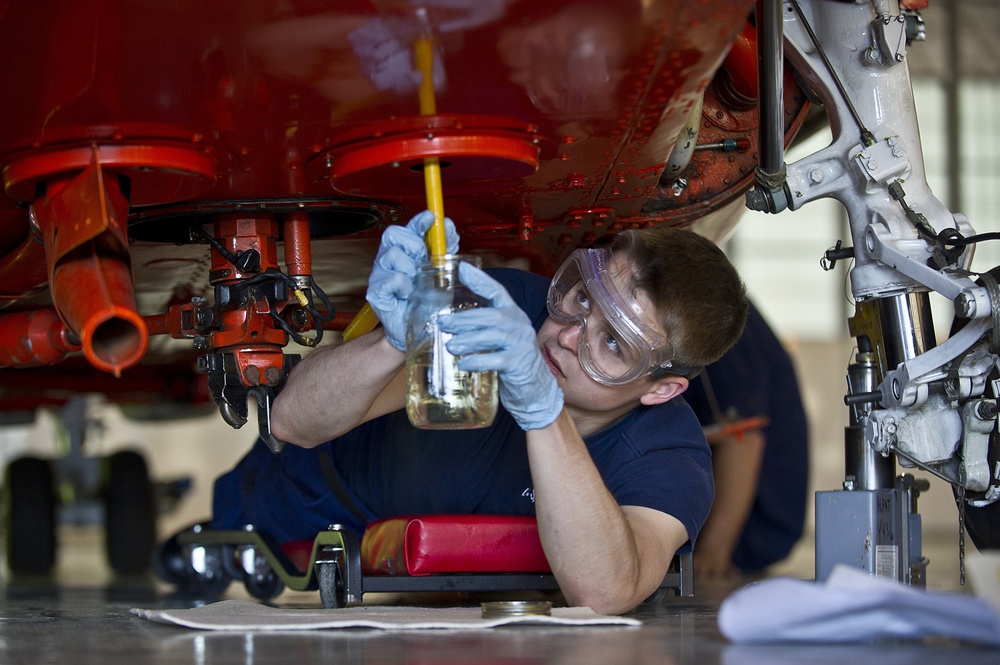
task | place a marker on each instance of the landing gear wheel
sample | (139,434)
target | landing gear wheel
(30,516)
(130,504)
(331,585)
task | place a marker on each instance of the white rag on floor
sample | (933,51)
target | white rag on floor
(247,615)
(852,606)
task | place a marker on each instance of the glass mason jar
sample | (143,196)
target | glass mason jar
(439,395)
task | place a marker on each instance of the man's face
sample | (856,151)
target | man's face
(560,344)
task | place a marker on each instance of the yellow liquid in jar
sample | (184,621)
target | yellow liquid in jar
(441,396)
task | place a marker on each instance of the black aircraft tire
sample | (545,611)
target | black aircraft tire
(130,517)
(30,516)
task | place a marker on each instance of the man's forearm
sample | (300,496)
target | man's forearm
(335,388)
(604,556)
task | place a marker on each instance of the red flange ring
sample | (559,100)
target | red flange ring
(159,173)
(450,143)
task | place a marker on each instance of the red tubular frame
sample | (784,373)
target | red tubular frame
(22,272)
(83,223)
(31,339)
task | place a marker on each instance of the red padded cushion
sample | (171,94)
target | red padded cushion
(427,544)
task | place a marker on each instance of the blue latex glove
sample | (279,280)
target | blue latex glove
(387,61)
(502,338)
(399,256)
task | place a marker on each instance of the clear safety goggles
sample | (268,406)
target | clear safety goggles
(616,345)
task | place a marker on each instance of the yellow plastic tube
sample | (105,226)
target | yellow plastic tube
(437,244)
(423,56)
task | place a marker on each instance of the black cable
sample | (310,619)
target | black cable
(217,246)
(331,311)
(251,260)
(963,241)
(947,238)
(317,317)
(281,323)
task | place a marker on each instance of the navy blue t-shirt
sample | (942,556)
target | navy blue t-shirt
(756,378)
(655,457)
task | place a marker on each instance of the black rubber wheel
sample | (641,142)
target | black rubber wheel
(264,583)
(231,565)
(172,564)
(331,586)
(130,517)
(264,586)
(30,516)
(214,580)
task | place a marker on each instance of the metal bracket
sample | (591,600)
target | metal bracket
(973,299)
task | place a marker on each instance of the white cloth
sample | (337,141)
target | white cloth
(246,615)
(984,574)
(852,606)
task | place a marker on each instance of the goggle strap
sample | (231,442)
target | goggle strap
(668,369)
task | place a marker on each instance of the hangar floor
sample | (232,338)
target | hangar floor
(81,616)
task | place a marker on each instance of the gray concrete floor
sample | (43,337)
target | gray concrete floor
(83,616)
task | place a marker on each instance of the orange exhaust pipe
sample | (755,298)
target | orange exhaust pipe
(94,296)
(83,223)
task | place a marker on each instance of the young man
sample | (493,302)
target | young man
(589,439)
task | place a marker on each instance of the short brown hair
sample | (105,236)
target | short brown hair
(700,299)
